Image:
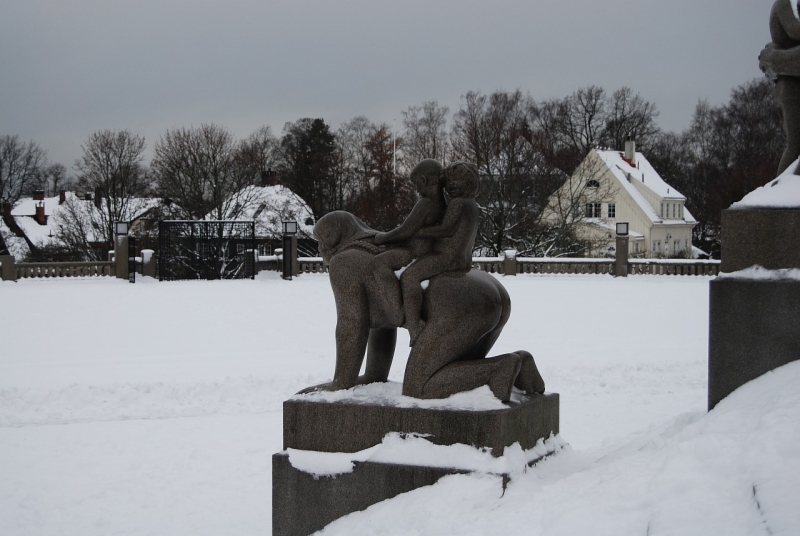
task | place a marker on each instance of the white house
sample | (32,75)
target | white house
(613,186)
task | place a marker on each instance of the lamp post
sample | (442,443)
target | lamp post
(121,249)
(621,264)
(289,249)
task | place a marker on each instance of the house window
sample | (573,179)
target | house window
(673,210)
(662,210)
(593,210)
(264,249)
(636,247)
(676,249)
(592,184)
(612,211)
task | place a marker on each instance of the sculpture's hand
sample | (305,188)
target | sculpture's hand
(315,388)
(380,238)
(766,60)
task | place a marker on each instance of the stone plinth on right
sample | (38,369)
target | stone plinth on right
(754,305)
(754,327)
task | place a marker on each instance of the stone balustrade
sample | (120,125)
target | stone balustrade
(30,270)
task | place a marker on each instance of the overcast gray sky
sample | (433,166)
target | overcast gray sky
(70,67)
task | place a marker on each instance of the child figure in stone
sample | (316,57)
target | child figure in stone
(428,178)
(454,240)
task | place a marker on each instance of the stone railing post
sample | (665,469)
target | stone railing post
(121,256)
(293,253)
(621,261)
(148,263)
(510,262)
(9,268)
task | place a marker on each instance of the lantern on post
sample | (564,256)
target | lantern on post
(121,251)
(289,248)
(621,264)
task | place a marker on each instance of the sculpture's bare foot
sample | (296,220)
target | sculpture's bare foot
(502,379)
(414,331)
(316,388)
(529,379)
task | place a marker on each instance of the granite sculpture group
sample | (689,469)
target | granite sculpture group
(453,324)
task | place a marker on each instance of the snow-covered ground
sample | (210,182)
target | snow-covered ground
(154,408)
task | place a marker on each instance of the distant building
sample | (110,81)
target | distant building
(46,222)
(612,186)
(269,206)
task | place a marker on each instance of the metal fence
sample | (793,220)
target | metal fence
(206,250)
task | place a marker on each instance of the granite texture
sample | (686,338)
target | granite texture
(303,504)
(463,311)
(780,61)
(767,237)
(754,327)
(351,427)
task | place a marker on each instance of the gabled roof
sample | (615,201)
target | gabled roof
(269,206)
(24,212)
(644,175)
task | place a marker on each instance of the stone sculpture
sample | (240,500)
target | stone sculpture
(463,310)
(780,61)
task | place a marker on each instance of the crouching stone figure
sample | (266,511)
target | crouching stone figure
(464,313)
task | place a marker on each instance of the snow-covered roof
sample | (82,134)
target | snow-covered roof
(646,176)
(24,212)
(17,246)
(783,192)
(270,206)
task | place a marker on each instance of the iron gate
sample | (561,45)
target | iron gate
(206,250)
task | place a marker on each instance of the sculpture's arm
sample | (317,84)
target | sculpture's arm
(449,225)
(410,227)
(380,352)
(780,62)
(352,324)
(783,14)
(352,334)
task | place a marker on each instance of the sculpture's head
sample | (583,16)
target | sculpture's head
(426,173)
(462,180)
(337,230)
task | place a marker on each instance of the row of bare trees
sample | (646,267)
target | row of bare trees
(524,148)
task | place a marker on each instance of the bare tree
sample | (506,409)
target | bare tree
(198,169)
(493,131)
(583,116)
(21,168)
(355,158)
(258,156)
(425,133)
(111,167)
(629,116)
(388,197)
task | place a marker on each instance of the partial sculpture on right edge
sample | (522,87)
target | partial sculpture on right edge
(780,61)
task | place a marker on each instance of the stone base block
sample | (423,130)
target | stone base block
(767,237)
(303,504)
(754,327)
(352,426)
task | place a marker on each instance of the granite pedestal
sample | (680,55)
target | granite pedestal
(754,327)
(754,323)
(767,237)
(303,503)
